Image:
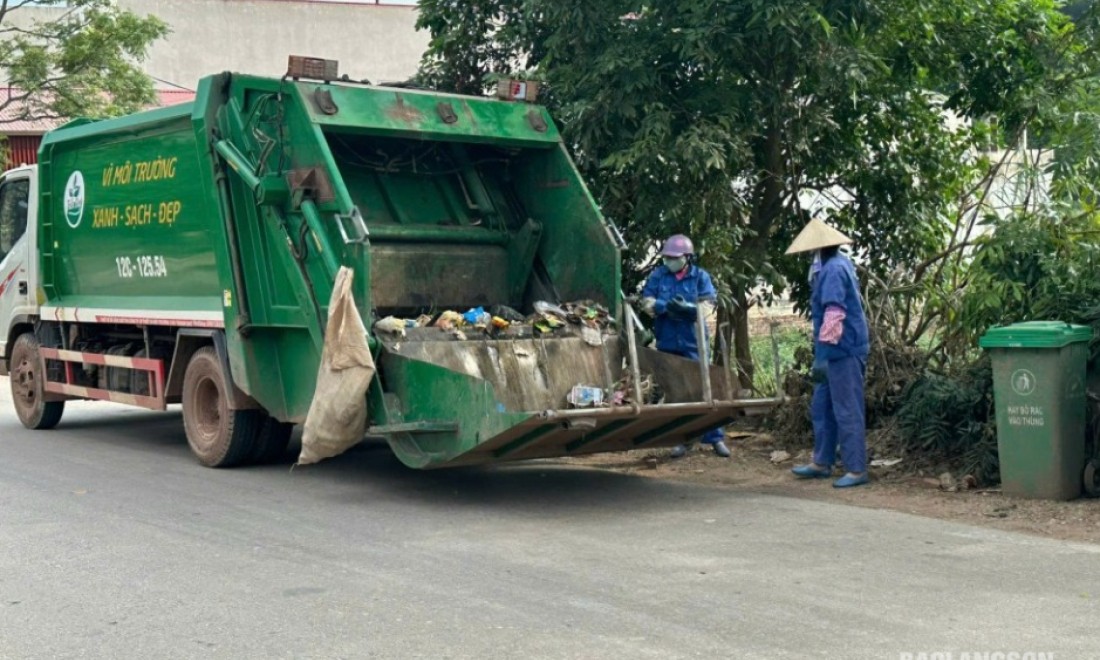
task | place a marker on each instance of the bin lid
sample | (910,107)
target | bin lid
(1036,334)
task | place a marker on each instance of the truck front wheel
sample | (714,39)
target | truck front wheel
(28,387)
(218,435)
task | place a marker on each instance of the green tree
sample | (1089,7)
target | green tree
(718,117)
(80,61)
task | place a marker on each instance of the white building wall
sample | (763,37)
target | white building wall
(377,42)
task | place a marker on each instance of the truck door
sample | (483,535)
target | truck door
(15,264)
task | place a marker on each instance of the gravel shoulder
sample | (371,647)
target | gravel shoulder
(751,469)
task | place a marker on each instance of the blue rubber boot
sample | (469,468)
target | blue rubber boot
(849,480)
(810,471)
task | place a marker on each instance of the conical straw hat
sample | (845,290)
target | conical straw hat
(816,235)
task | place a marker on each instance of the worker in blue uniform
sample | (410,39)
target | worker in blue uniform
(841,344)
(672,295)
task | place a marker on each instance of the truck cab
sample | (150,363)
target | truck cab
(18,256)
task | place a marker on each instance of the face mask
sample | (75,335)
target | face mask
(815,265)
(675,264)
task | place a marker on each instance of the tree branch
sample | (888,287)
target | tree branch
(918,271)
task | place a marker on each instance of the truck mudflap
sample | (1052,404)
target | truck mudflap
(443,403)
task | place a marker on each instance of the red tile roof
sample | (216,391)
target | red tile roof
(12,124)
(166,97)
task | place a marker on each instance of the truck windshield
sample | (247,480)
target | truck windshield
(13,213)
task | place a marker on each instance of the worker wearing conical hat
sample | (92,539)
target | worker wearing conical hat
(840,357)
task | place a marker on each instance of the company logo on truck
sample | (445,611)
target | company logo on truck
(74,199)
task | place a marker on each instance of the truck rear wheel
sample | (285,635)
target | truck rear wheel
(218,435)
(28,387)
(1092,477)
(271,441)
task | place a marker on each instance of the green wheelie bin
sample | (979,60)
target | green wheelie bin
(1039,392)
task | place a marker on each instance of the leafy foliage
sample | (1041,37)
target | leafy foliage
(81,62)
(471,39)
(788,342)
(951,417)
(1033,268)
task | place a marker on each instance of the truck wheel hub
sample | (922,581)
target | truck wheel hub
(208,399)
(23,378)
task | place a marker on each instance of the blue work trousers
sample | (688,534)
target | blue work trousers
(712,436)
(838,415)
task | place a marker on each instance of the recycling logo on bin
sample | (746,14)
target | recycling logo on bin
(1023,382)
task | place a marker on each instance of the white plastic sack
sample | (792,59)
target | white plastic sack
(337,417)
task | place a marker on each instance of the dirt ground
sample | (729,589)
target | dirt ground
(751,469)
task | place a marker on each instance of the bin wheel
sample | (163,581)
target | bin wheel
(28,393)
(218,435)
(1092,478)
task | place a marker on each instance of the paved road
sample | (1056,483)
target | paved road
(114,543)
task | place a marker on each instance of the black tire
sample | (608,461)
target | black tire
(218,436)
(271,442)
(28,387)
(1092,478)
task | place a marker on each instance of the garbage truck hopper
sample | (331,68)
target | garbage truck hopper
(474,204)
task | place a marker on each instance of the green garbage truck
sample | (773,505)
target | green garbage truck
(186,255)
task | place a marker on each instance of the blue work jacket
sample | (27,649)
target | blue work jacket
(836,284)
(677,335)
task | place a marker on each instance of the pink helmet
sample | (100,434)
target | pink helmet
(677,245)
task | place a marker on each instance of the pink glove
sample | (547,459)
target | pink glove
(832,326)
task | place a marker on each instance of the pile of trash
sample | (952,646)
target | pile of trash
(590,320)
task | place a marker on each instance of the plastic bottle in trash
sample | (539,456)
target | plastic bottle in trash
(543,307)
